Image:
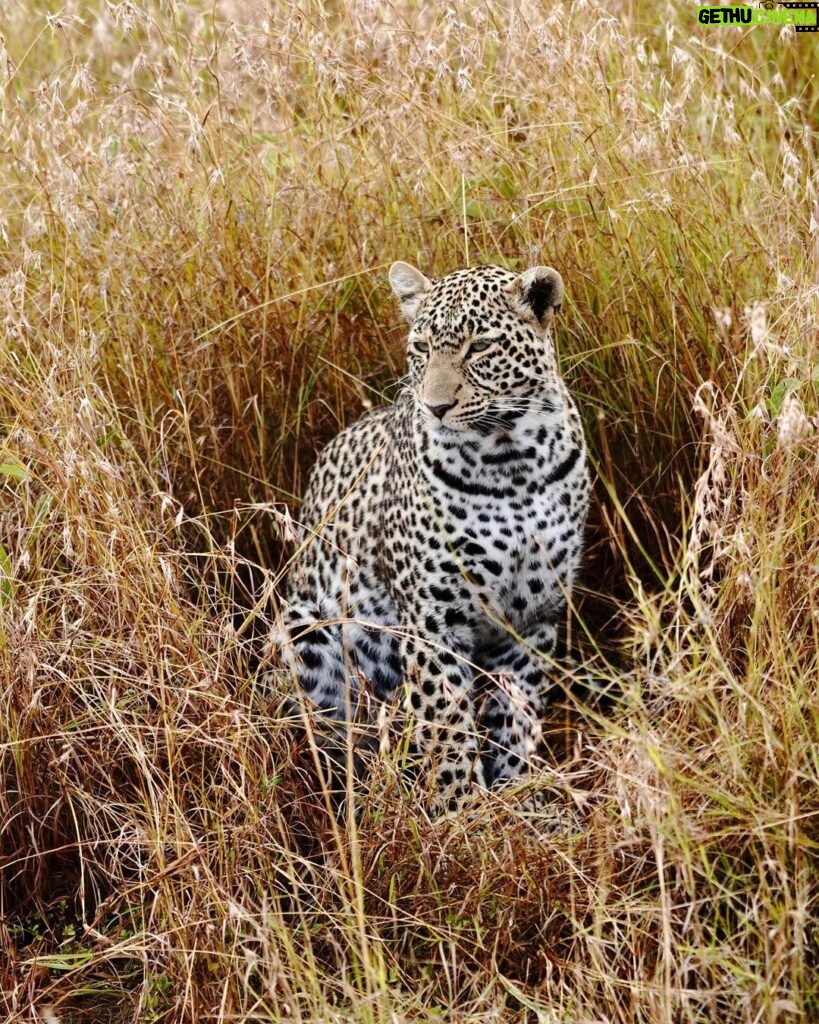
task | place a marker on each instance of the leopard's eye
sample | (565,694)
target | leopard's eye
(421,348)
(481,345)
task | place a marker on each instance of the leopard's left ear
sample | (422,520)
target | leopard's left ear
(537,294)
(410,285)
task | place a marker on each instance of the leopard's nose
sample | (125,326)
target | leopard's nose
(439,411)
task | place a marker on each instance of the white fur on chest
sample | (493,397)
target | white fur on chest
(504,505)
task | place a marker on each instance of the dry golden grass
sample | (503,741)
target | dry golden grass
(199,202)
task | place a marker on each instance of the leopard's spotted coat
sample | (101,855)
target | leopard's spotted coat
(445,530)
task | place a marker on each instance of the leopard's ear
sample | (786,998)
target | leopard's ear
(410,286)
(537,294)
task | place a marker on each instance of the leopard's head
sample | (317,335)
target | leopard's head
(479,349)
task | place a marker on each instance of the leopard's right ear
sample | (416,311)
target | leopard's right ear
(410,286)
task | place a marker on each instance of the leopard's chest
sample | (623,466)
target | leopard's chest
(512,517)
(513,549)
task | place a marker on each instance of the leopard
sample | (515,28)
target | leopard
(443,534)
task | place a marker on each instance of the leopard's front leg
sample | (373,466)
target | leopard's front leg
(439,686)
(512,708)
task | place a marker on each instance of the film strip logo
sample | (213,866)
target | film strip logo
(791,5)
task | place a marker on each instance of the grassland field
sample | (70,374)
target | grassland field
(198,205)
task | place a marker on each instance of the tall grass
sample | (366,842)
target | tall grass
(199,202)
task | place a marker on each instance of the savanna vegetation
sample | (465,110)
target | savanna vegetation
(198,204)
